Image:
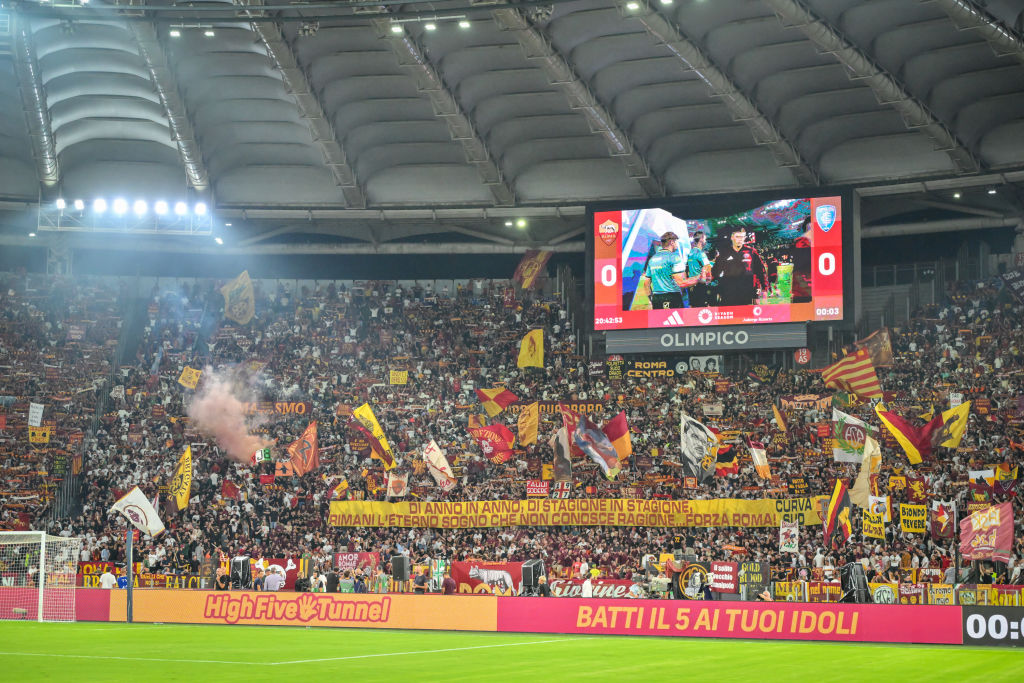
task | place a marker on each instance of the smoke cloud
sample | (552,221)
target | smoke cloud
(217,411)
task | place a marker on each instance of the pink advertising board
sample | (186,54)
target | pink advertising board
(719,619)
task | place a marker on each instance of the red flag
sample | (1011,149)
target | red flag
(942,520)
(304,451)
(988,534)
(267,479)
(855,374)
(229,490)
(917,489)
(495,441)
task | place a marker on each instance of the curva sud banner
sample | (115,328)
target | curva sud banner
(771,621)
(578,512)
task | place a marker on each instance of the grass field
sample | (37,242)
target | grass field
(114,652)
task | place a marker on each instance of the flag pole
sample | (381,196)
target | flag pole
(128,556)
(956,549)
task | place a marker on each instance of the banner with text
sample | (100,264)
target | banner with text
(722,512)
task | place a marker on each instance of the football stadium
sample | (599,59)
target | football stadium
(511,339)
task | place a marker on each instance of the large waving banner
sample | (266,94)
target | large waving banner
(722,512)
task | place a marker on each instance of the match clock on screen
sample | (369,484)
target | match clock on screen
(994,626)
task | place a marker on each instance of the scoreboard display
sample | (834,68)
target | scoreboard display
(729,261)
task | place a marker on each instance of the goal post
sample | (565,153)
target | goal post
(37,576)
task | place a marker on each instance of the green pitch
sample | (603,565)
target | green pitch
(113,652)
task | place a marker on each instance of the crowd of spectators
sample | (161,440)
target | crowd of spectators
(333,346)
(57,340)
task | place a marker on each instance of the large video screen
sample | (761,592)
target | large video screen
(770,262)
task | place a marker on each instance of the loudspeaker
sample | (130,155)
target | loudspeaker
(241,572)
(854,583)
(400,568)
(532,570)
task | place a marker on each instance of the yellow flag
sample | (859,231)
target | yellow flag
(399,377)
(913,518)
(189,377)
(181,484)
(873,525)
(547,471)
(239,299)
(531,350)
(955,424)
(529,418)
(364,415)
(39,435)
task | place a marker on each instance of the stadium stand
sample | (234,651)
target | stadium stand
(329,347)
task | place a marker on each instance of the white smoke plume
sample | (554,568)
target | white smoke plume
(218,411)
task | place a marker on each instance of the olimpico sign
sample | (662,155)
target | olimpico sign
(735,337)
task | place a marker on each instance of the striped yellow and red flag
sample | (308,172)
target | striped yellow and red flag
(495,400)
(855,374)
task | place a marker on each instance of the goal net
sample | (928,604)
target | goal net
(37,576)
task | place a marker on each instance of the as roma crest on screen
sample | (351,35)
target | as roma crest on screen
(609,232)
(826,215)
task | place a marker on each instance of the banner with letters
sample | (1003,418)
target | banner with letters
(551,407)
(772,621)
(603,588)
(277,407)
(723,512)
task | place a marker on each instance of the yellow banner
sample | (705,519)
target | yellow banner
(913,518)
(399,377)
(529,419)
(39,434)
(790,591)
(189,377)
(181,484)
(723,512)
(364,414)
(884,593)
(531,350)
(941,594)
(873,525)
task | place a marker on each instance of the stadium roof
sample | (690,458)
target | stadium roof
(348,126)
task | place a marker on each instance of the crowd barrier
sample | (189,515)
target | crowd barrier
(929,624)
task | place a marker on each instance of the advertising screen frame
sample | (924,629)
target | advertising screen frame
(725,204)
